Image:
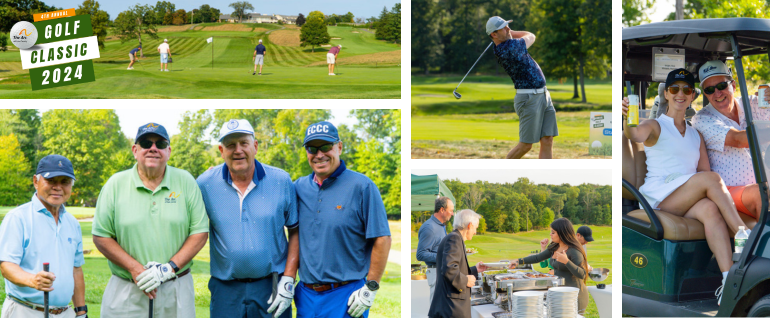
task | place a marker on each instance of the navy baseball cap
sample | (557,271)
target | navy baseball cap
(586,233)
(52,166)
(680,74)
(321,131)
(151,128)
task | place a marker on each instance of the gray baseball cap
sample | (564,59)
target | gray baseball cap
(496,23)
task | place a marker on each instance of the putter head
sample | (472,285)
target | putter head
(456,94)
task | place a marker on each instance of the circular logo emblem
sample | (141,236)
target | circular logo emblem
(232,124)
(23,35)
(289,286)
(165,269)
(366,294)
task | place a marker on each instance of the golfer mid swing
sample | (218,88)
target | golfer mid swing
(259,57)
(537,117)
(132,56)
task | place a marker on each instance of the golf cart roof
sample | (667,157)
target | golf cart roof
(703,40)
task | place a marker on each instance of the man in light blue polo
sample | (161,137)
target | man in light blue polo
(38,232)
(430,235)
(249,204)
(344,237)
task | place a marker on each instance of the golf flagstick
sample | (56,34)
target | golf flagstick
(455,93)
(46,267)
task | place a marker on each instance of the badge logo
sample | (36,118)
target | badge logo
(60,165)
(150,127)
(709,69)
(232,124)
(289,287)
(69,240)
(172,197)
(23,35)
(366,294)
(339,207)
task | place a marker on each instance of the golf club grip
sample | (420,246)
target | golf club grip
(46,267)
(151,305)
(474,64)
(276,278)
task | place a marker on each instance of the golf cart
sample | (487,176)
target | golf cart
(668,268)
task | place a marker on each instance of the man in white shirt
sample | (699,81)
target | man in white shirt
(165,54)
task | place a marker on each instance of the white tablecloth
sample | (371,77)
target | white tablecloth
(484,311)
(603,300)
(420,298)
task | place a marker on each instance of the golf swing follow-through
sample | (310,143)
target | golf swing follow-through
(455,93)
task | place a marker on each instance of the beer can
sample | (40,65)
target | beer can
(762,102)
(633,110)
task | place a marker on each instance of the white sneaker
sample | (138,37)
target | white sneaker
(167,70)
(718,293)
(332,74)
(130,68)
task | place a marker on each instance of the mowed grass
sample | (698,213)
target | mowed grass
(366,68)
(97,274)
(493,247)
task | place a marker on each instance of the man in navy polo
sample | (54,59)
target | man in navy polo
(430,235)
(533,104)
(344,237)
(41,231)
(249,204)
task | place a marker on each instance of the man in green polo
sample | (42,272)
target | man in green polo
(150,221)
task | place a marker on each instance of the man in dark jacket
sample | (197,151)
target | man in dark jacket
(455,278)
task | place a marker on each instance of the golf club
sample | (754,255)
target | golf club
(455,93)
(276,278)
(151,305)
(46,266)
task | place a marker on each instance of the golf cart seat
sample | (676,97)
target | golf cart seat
(650,222)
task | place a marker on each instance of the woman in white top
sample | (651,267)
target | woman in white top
(679,179)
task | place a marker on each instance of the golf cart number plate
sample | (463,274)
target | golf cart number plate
(638,260)
(665,60)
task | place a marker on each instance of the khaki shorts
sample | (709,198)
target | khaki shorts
(259,59)
(175,299)
(329,58)
(537,117)
(12,309)
(131,56)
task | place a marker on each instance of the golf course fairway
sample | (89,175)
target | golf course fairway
(366,67)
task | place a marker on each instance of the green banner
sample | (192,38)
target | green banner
(62,75)
(62,29)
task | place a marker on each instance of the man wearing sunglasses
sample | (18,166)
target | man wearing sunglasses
(249,204)
(150,221)
(344,237)
(723,126)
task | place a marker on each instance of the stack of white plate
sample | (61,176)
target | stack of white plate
(527,304)
(562,302)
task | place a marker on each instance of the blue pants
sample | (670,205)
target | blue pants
(233,299)
(329,304)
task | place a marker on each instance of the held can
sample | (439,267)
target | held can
(762,102)
(633,110)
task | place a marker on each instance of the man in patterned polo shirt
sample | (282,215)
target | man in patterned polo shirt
(722,124)
(150,221)
(249,204)
(537,117)
(344,237)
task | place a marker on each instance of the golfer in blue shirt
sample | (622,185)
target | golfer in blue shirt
(132,57)
(344,237)
(41,231)
(259,57)
(249,204)
(430,235)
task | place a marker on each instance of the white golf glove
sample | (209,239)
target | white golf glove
(360,301)
(282,300)
(154,275)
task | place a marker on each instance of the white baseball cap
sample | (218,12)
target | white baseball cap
(165,40)
(260,40)
(340,45)
(713,68)
(496,23)
(235,126)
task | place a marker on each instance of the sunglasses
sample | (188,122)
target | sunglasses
(720,86)
(323,148)
(147,144)
(674,89)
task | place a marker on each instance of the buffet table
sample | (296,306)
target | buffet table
(603,300)
(484,311)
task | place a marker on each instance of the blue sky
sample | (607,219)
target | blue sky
(359,8)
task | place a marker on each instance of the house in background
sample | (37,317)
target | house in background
(255,17)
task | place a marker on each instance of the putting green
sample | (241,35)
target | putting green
(365,69)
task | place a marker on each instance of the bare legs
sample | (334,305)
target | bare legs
(717,237)
(522,148)
(519,151)
(546,147)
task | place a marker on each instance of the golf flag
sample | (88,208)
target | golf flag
(209,40)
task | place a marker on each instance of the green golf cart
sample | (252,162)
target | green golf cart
(668,268)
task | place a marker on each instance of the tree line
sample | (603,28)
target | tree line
(94,142)
(574,37)
(524,205)
(314,31)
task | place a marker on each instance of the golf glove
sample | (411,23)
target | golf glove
(360,301)
(154,275)
(282,300)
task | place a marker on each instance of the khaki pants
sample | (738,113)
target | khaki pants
(175,299)
(12,309)
(431,273)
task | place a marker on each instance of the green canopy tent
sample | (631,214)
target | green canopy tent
(425,190)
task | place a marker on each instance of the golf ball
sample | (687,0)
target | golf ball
(596,144)
(23,35)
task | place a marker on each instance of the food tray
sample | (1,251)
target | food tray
(529,283)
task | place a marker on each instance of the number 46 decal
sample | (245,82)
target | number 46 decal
(638,260)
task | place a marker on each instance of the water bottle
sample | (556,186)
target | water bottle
(740,239)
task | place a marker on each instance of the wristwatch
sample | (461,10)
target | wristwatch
(173,266)
(372,285)
(83,308)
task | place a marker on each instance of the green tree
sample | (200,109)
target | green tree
(15,184)
(134,22)
(3,42)
(180,17)
(347,17)
(635,11)
(314,32)
(300,19)
(482,227)
(546,218)
(12,11)
(206,14)
(190,150)
(99,19)
(161,9)
(426,40)
(25,125)
(240,8)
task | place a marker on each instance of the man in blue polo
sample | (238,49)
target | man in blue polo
(259,57)
(533,104)
(344,237)
(249,204)
(41,231)
(430,235)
